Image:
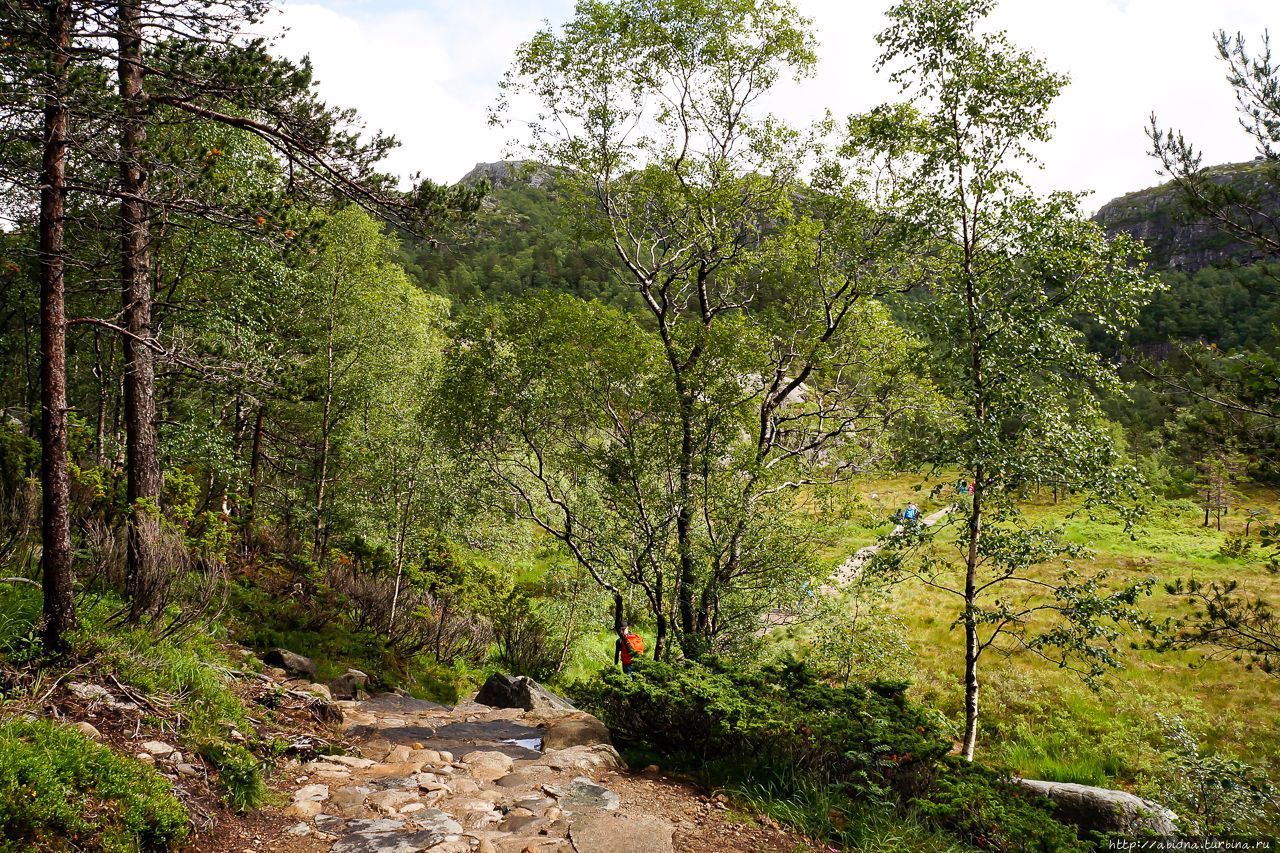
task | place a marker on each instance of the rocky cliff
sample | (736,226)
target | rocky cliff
(1178,239)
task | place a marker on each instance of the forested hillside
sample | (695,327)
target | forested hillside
(860,494)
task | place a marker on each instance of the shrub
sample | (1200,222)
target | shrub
(239,775)
(1212,794)
(981,807)
(59,790)
(526,644)
(831,760)
(867,738)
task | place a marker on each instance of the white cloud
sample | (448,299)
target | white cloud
(427,73)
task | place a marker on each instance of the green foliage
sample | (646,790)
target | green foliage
(1213,794)
(61,791)
(527,642)
(19,459)
(830,760)
(523,240)
(239,775)
(192,673)
(982,807)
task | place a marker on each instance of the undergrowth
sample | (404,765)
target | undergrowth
(61,791)
(859,766)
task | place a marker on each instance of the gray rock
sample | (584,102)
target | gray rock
(583,795)
(1104,810)
(291,662)
(502,691)
(581,731)
(321,690)
(158,748)
(350,685)
(426,829)
(314,793)
(605,832)
(598,757)
(89,692)
(88,730)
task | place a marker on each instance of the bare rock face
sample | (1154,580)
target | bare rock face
(1104,810)
(605,832)
(290,662)
(502,691)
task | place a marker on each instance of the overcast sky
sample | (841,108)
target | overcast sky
(427,70)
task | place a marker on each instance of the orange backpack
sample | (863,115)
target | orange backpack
(636,643)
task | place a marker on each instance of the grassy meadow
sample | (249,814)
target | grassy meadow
(1042,721)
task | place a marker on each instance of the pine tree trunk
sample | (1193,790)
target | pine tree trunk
(55,528)
(142,458)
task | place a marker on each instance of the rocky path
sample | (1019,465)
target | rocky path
(490,780)
(846,573)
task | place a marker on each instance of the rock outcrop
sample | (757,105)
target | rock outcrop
(1104,810)
(1157,217)
(292,663)
(350,685)
(502,691)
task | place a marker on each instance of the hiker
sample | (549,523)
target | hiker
(911,513)
(962,487)
(628,647)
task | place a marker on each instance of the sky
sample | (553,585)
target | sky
(427,71)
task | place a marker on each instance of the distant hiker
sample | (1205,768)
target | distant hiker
(911,513)
(971,488)
(962,487)
(628,647)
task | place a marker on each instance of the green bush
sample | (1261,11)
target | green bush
(981,807)
(835,762)
(239,775)
(867,739)
(61,791)
(524,636)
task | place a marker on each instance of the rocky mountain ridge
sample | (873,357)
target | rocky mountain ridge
(1179,240)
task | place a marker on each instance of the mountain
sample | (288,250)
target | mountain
(1178,239)
(522,240)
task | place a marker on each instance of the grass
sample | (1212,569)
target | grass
(185,680)
(1043,722)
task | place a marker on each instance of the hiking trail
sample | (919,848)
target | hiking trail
(479,779)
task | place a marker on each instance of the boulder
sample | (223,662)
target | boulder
(502,691)
(291,662)
(315,689)
(325,712)
(589,758)
(577,731)
(1104,810)
(350,685)
(486,765)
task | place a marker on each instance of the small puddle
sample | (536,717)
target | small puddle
(533,744)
